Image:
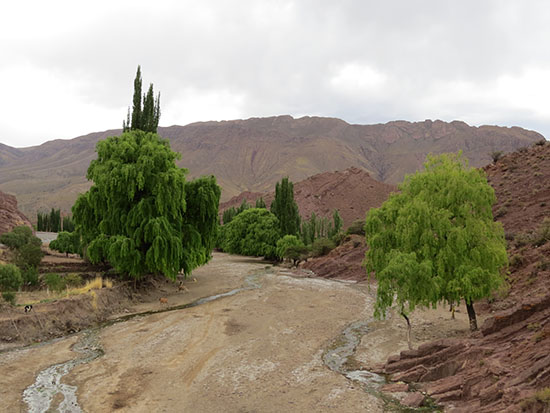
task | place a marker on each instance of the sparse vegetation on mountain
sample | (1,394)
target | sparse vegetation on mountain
(253,232)
(137,214)
(436,239)
(285,208)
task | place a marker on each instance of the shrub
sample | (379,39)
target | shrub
(496,155)
(322,246)
(542,235)
(521,239)
(516,261)
(9,297)
(357,227)
(54,282)
(28,255)
(286,242)
(339,238)
(501,212)
(10,277)
(30,276)
(541,142)
(523,149)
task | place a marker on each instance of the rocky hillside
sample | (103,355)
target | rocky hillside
(253,154)
(506,365)
(10,216)
(352,192)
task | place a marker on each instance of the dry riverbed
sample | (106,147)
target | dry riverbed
(258,350)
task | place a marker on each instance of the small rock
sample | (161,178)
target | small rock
(396,387)
(413,400)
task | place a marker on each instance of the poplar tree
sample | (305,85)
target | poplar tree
(436,240)
(145,114)
(285,208)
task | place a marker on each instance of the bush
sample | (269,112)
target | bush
(286,242)
(357,227)
(28,255)
(30,276)
(10,277)
(54,282)
(9,297)
(542,235)
(496,155)
(541,142)
(322,246)
(339,238)
(516,261)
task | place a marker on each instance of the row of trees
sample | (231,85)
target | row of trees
(53,222)
(279,232)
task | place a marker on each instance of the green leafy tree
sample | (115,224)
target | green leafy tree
(253,232)
(228,215)
(243,207)
(260,203)
(337,223)
(137,215)
(292,248)
(67,242)
(285,208)
(436,240)
(146,116)
(10,277)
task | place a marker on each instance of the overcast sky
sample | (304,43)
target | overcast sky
(67,67)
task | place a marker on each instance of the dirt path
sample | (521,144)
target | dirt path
(259,350)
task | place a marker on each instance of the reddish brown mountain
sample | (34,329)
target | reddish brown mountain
(10,216)
(253,154)
(352,192)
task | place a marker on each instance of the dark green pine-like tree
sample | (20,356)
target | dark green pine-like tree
(144,117)
(285,208)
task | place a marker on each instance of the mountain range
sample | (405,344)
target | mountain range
(253,154)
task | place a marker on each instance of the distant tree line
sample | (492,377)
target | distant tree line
(51,222)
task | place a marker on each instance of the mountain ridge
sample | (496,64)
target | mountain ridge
(255,153)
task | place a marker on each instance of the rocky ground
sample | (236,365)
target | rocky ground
(260,349)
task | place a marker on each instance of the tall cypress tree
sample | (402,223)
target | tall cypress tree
(285,208)
(144,117)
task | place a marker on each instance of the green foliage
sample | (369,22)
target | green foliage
(10,277)
(260,203)
(54,282)
(316,227)
(243,207)
(140,215)
(287,242)
(68,224)
(67,242)
(285,208)
(436,239)
(9,297)
(322,246)
(357,227)
(29,255)
(336,224)
(228,215)
(145,118)
(29,275)
(18,237)
(50,222)
(253,232)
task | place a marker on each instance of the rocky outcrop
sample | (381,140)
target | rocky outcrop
(10,216)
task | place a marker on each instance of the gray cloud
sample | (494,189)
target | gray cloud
(362,61)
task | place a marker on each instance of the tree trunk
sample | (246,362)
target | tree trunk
(471,316)
(408,330)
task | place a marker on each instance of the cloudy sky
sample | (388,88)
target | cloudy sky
(67,67)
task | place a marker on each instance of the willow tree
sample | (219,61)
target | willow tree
(140,215)
(436,240)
